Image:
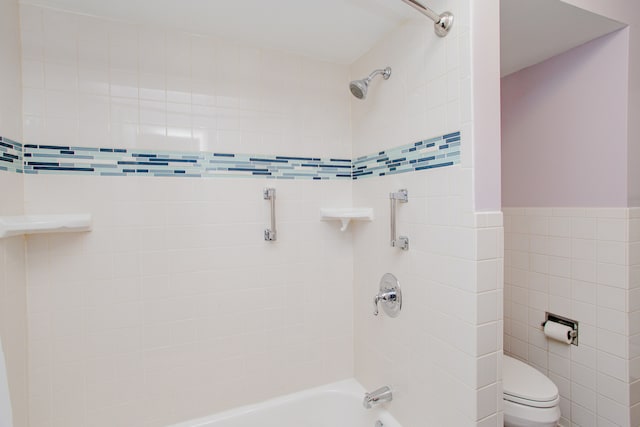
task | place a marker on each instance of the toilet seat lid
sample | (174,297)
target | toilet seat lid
(526,384)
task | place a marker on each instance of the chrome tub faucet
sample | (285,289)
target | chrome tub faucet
(383,394)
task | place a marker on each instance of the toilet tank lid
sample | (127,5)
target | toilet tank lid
(523,381)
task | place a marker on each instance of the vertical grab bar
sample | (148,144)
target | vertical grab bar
(401,242)
(270,233)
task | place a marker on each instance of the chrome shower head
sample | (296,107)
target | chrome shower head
(359,87)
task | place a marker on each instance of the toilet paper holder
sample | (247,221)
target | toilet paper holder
(573,324)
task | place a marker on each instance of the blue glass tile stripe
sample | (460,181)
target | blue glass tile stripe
(11,155)
(430,153)
(125,162)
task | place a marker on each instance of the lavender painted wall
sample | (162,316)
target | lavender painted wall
(564,128)
(627,11)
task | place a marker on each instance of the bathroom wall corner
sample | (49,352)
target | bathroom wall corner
(484,39)
(13,311)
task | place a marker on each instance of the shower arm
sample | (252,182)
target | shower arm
(442,22)
(385,73)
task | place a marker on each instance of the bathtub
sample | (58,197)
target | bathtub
(333,405)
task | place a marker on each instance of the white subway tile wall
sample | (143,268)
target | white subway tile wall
(13,317)
(442,355)
(444,351)
(174,306)
(633,307)
(93,82)
(422,98)
(577,263)
(13,301)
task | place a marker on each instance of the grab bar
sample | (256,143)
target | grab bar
(401,242)
(270,233)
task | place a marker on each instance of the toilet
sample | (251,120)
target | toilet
(530,398)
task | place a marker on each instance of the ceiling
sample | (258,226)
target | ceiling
(343,30)
(534,30)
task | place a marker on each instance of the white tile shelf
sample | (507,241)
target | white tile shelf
(31,224)
(346,215)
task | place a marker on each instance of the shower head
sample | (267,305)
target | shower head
(359,87)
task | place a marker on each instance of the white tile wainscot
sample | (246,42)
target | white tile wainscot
(577,263)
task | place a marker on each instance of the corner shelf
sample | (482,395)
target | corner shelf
(31,224)
(346,215)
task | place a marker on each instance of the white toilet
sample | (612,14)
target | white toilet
(530,398)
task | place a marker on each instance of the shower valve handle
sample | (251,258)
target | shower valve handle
(388,296)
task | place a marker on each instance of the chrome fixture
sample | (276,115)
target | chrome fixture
(270,233)
(401,242)
(443,22)
(359,87)
(391,296)
(376,397)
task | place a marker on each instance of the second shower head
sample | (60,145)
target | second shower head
(359,87)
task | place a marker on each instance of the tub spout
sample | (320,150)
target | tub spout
(383,394)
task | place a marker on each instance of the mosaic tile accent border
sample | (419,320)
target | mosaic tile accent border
(431,153)
(428,154)
(10,155)
(47,159)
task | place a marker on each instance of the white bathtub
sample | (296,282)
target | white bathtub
(333,405)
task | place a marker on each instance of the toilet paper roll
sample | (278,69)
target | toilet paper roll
(558,331)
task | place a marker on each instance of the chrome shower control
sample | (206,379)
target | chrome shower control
(389,297)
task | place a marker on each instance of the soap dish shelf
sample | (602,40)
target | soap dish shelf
(346,215)
(32,224)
